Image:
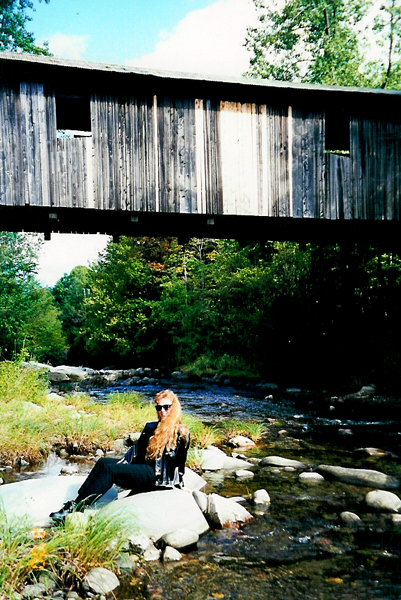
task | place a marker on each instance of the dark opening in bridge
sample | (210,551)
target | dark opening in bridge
(73,113)
(337,133)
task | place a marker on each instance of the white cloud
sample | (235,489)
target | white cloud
(209,41)
(68,46)
(65,251)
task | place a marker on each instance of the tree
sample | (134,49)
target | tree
(69,293)
(14,37)
(42,330)
(326,42)
(387,25)
(118,311)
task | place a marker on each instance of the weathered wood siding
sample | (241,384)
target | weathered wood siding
(159,153)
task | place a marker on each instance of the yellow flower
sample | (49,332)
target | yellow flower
(38,533)
(38,554)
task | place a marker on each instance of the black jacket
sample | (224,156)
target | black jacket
(170,467)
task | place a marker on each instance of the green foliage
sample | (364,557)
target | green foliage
(123,290)
(328,43)
(44,337)
(66,553)
(15,544)
(69,293)
(14,37)
(29,320)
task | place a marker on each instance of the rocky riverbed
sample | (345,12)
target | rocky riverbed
(331,467)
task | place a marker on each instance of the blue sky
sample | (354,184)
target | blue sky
(195,36)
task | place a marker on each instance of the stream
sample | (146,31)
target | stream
(298,546)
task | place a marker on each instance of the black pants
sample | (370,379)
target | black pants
(107,471)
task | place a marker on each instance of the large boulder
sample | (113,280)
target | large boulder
(158,513)
(35,499)
(364,477)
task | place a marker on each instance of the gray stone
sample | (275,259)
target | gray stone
(200,499)
(223,512)
(349,518)
(151,553)
(171,554)
(382,500)
(180,539)
(214,459)
(311,477)
(159,512)
(126,562)
(261,497)
(240,441)
(139,542)
(364,477)
(37,498)
(244,474)
(100,581)
(279,461)
(34,590)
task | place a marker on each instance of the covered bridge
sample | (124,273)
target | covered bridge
(103,148)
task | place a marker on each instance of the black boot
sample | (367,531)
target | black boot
(67,508)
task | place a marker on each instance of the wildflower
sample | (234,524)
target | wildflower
(38,554)
(38,533)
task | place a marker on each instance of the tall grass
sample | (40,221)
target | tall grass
(68,553)
(229,429)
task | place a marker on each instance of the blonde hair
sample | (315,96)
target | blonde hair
(168,429)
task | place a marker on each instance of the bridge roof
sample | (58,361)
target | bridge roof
(26,63)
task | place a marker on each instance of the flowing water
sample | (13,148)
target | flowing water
(298,546)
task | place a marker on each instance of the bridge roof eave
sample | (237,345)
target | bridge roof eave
(10,59)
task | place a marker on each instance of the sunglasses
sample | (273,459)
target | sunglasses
(160,407)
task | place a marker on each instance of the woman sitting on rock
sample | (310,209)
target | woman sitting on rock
(155,461)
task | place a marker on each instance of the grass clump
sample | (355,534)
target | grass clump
(250,429)
(20,383)
(66,553)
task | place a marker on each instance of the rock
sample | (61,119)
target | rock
(396,519)
(365,477)
(311,477)
(69,470)
(171,554)
(100,581)
(243,474)
(34,590)
(382,500)
(282,433)
(139,542)
(279,461)
(371,451)
(348,517)
(151,553)
(126,562)
(214,459)
(222,512)
(261,497)
(159,512)
(179,539)
(240,441)
(200,499)
(345,432)
(37,498)
(1,481)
